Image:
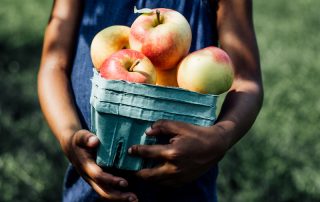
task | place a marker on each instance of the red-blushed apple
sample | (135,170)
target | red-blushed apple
(207,71)
(129,65)
(164,36)
(107,42)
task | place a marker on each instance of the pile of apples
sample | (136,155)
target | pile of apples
(155,50)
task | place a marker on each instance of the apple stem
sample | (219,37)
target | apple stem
(158,16)
(133,65)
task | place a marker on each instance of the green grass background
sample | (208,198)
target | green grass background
(278,160)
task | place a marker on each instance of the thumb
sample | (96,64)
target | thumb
(84,138)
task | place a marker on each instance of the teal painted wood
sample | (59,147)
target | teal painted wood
(121,112)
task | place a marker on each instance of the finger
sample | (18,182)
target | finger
(106,184)
(151,151)
(112,194)
(86,139)
(158,174)
(96,174)
(165,127)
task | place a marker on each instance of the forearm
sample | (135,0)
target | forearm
(237,37)
(57,104)
(239,111)
(53,82)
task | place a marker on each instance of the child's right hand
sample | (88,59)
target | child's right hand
(81,151)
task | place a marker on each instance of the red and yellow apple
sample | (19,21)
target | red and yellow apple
(164,36)
(107,42)
(208,71)
(129,65)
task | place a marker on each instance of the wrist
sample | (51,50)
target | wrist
(227,133)
(217,143)
(66,139)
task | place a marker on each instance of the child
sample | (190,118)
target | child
(191,157)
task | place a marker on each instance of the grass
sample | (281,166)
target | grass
(277,160)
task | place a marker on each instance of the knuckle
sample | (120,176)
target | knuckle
(145,175)
(164,122)
(115,181)
(172,154)
(136,149)
(175,170)
(141,150)
(160,123)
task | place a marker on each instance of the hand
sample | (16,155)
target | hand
(81,152)
(191,152)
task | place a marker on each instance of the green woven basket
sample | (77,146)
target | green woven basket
(121,112)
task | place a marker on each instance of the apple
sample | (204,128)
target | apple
(107,42)
(128,65)
(164,36)
(167,77)
(207,71)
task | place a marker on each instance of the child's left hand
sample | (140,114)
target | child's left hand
(191,152)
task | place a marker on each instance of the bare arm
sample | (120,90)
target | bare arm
(53,81)
(237,38)
(193,149)
(58,106)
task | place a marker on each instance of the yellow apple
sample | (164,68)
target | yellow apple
(107,42)
(167,77)
(207,71)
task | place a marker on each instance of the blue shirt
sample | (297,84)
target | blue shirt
(99,14)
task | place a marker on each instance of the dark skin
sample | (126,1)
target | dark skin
(192,150)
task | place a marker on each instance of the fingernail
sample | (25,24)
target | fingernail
(130,150)
(93,140)
(148,130)
(123,184)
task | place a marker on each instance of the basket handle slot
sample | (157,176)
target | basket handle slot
(118,153)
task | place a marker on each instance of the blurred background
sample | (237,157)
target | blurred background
(277,161)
